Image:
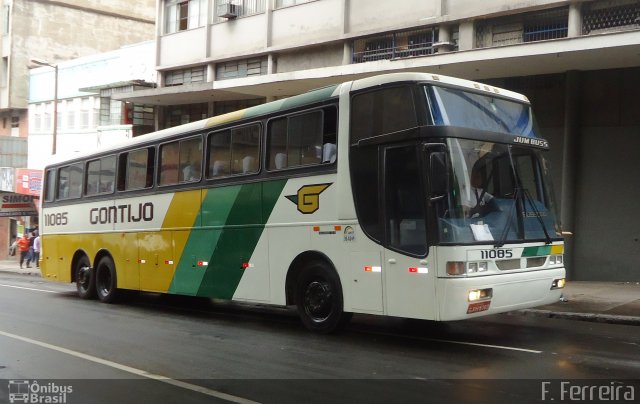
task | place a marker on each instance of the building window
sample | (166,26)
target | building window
(181,15)
(287,3)
(181,114)
(5,71)
(241,68)
(395,45)
(85,110)
(6,19)
(609,16)
(185,76)
(527,27)
(15,121)
(228,9)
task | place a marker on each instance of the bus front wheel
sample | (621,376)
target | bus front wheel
(85,279)
(106,280)
(319,299)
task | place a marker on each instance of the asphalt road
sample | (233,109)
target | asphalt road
(152,348)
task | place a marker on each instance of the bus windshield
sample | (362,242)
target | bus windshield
(498,194)
(455,107)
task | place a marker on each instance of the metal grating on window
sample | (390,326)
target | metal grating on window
(546,25)
(241,68)
(528,27)
(185,76)
(396,45)
(611,16)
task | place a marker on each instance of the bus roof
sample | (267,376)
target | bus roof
(310,97)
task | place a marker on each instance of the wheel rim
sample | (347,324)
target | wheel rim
(318,300)
(84,277)
(103,282)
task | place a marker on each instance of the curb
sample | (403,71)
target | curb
(592,317)
(18,272)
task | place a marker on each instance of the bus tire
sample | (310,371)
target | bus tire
(85,279)
(106,281)
(319,299)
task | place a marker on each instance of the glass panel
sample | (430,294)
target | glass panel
(384,111)
(93,177)
(278,144)
(479,111)
(490,196)
(245,149)
(70,181)
(191,160)
(139,173)
(219,154)
(405,212)
(169,163)
(107,174)
(304,139)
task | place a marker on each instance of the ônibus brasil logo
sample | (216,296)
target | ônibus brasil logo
(25,391)
(308,198)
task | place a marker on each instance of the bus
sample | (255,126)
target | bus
(411,195)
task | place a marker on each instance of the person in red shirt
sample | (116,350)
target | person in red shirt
(23,247)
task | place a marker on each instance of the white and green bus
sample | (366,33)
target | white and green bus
(412,195)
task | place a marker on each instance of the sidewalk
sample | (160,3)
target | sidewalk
(608,302)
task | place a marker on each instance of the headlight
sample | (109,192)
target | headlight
(480,294)
(556,259)
(558,283)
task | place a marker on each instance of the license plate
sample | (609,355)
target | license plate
(478,307)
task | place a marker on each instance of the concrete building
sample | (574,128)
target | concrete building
(54,31)
(88,117)
(576,60)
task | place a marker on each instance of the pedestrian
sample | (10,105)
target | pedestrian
(32,238)
(23,246)
(36,250)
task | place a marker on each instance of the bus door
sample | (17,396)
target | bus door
(409,274)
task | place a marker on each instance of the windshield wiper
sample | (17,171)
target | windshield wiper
(536,212)
(505,231)
(520,192)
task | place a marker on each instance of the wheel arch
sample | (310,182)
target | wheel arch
(74,262)
(105,253)
(295,270)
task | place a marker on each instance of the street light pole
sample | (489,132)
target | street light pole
(55,100)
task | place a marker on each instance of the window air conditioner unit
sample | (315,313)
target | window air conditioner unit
(228,10)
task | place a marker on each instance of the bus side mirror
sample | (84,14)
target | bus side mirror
(438,175)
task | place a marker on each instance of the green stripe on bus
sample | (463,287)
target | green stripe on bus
(214,210)
(237,242)
(233,219)
(536,251)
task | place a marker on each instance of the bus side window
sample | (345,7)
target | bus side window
(219,154)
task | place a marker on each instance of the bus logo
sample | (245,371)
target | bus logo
(308,198)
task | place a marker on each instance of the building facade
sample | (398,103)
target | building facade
(576,60)
(53,31)
(88,117)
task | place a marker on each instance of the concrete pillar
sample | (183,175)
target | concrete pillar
(467,35)
(272,64)
(575,20)
(444,37)
(570,163)
(347,53)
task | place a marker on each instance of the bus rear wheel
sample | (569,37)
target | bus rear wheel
(85,279)
(106,281)
(319,299)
